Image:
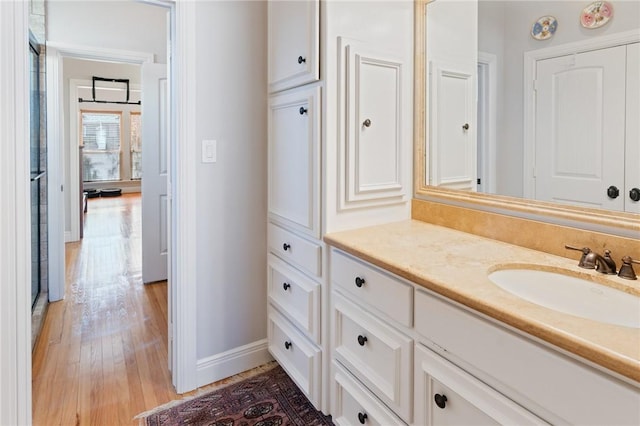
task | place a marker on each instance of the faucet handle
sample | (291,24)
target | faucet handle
(626,269)
(584,263)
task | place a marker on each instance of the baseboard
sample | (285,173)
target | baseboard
(234,361)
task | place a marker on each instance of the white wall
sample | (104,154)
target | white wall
(231,108)
(515,23)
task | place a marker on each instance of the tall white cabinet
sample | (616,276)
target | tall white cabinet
(340,142)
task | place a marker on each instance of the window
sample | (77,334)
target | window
(136,146)
(101,140)
(112,146)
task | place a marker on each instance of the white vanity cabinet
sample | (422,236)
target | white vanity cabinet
(293,42)
(449,365)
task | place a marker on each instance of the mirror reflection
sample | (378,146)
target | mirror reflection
(535,99)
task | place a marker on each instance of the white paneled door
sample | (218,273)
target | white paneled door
(632,148)
(580,129)
(155,136)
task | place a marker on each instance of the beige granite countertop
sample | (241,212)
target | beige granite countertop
(456,264)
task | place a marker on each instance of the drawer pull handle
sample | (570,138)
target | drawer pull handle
(301,59)
(303,110)
(362,418)
(286,246)
(359,282)
(362,340)
(286,286)
(441,400)
(287,345)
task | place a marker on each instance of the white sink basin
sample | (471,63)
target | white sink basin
(571,295)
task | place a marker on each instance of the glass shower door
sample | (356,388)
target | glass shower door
(37,173)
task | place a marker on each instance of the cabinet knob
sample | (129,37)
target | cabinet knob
(366,123)
(359,282)
(634,194)
(362,340)
(441,400)
(465,126)
(301,60)
(286,246)
(613,192)
(303,110)
(286,286)
(362,418)
(287,345)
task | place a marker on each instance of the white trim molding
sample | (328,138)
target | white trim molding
(15,234)
(183,193)
(489,64)
(234,361)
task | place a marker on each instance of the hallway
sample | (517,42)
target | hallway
(101,358)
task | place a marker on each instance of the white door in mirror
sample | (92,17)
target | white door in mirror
(581,140)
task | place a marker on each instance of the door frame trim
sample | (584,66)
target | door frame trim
(489,63)
(531,59)
(15,231)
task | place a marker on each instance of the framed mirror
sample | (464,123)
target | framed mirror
(551,135)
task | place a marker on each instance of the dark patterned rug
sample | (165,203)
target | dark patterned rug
(267,399)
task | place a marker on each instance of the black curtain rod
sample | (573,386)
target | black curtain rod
(111,80)
(97,101)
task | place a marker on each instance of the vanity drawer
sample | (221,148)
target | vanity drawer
(295,295)
(378,355)
(353,403)
(383,292)
(294,249)
(297,356)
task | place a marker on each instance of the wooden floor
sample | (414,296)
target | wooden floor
(101,358)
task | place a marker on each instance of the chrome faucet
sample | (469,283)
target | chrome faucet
(592,260)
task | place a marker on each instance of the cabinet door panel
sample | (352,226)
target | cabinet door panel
(294,122)
(293,39)
(372,89)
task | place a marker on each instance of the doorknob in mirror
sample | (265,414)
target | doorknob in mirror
(613,192)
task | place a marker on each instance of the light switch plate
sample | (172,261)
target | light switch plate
(209,151)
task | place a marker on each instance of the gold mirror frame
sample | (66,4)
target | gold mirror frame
(595,219)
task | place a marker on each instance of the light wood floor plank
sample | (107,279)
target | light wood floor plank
(101,357)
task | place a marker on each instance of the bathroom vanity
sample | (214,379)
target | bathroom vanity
(420,335)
